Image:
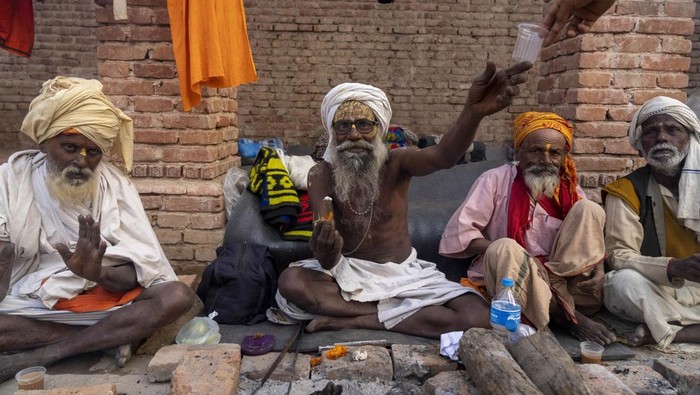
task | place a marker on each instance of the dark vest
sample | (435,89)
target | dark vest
(640,181)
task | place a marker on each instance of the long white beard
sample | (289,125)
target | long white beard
(356,175)
(669,165)
(542,180)
(70,192)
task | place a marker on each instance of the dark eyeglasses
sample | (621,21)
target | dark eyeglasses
(363,126)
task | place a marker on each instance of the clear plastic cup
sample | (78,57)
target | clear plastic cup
(31,378)
(529,42)
(591,352)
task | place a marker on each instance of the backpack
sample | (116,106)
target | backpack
(240,284)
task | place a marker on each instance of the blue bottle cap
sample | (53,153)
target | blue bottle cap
(512,325)
(507,282)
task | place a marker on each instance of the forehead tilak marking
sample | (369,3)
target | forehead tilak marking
(354,109)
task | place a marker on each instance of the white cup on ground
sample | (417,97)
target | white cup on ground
(591,352)
(529,42)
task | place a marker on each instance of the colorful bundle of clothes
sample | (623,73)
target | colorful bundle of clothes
(280,204)
(395,138)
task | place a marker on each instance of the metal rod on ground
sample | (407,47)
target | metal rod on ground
(271,369)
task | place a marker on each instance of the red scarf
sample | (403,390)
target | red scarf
(519,206)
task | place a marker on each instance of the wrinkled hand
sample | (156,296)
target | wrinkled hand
(7,256)
(326,243)
(688,268)
(594,284)
(578,16)
(493,90)
(86,260)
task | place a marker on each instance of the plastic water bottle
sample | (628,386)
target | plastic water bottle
(517,332)
(505,310)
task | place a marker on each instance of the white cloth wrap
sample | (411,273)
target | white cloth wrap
(400,288)
(373,97)
(689,185)
(34,222)
(68,102)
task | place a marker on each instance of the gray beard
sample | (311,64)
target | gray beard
(669,165)
(70,192)
(542,180)
(356,175)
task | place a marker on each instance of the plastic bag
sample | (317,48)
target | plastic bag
(235,183)
(199,330)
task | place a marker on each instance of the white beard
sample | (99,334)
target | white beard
(356,175)
(70,192)
(668,164)
(542,180)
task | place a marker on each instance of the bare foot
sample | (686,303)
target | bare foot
(641,336)
(321,324)
(10,364)
(587,329)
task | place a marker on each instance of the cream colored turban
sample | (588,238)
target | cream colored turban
(67,102)
(373,97)
(662,105)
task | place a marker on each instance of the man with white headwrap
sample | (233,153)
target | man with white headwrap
(365,273)
(653,227)
(80,267)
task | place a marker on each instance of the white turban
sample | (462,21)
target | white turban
(367,94)
(689,184)
(68,102)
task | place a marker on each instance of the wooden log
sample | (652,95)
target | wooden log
(548,365)
(490,366)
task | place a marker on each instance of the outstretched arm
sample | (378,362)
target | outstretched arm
(7,254)
(576,15)
(491,91)
(86,260)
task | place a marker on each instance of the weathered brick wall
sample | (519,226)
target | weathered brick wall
(694,71)
(64,45)
(180,157)
(424,55)
(639,50)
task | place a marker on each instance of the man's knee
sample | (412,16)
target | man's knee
(174,297)
(498,248)
(588,208)
(623,286)
(291,283)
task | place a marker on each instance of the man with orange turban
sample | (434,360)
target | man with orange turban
(530,221)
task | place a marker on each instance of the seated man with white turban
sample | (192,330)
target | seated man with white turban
(532,223)
(366,273)
(81,269)
(653,228)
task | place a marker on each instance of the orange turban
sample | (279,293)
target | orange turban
(529,122)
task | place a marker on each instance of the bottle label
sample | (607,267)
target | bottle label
(502,312)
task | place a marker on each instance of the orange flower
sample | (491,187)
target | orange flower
(337,352)
(315,361)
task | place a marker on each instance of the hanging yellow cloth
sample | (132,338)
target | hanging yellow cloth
(211,47)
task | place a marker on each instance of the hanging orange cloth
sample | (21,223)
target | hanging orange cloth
(211,47)
(17,26)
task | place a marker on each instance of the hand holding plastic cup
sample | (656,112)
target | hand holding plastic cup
(591,352)
(529,42)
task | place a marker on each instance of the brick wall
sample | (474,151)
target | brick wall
(60,48)
(694,71)
(424,55)
(180,157)
(639,50)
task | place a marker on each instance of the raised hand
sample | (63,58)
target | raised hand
(326,243)
(576,15)
(493,90)
(86,260)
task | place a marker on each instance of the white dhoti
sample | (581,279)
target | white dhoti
(401,289)
(665,310)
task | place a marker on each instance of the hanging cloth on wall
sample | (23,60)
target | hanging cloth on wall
(211,47)
(17,26)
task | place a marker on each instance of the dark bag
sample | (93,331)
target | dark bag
(240,284)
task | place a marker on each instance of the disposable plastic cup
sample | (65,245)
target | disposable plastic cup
(31,378)
(591,352)
(529,42)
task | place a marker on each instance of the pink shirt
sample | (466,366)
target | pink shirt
(484,215)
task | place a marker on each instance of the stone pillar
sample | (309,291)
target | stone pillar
(180,158)
(638,50)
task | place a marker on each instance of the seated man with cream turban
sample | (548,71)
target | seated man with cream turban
(81,269)
(531,222)
(652,233)
(366,273)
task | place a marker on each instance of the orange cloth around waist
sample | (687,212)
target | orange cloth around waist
(97,299)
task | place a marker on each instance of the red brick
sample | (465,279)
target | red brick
(112,33)
(193,203)
(596,42)
(154,70)
(643,7)
(613,24)
(206,137)
(153,104)
(169,236)
(662,25)
(621,113)
(168,88)
(157,136)
(590,113)
(113,69)
(588,146)
(144,153)
(205,254)
(208,221)
(162,52)
(601,129)
(619,147)
(189,121)
(603,60)
(595,79)
(156,171)
(208,369)
(211,236)
(681,9)
(603,163)
(179,252)
(641,96)
(637,43)
(190,154)
(664,62)
(175,220)
(596,96)
(95,389)
(173,171)
(120,86)
(668,80)
(161,187)
(204,188)
(157,34)
(684,375)
(634,79)
(677,45)
(152,202)
(121,52)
